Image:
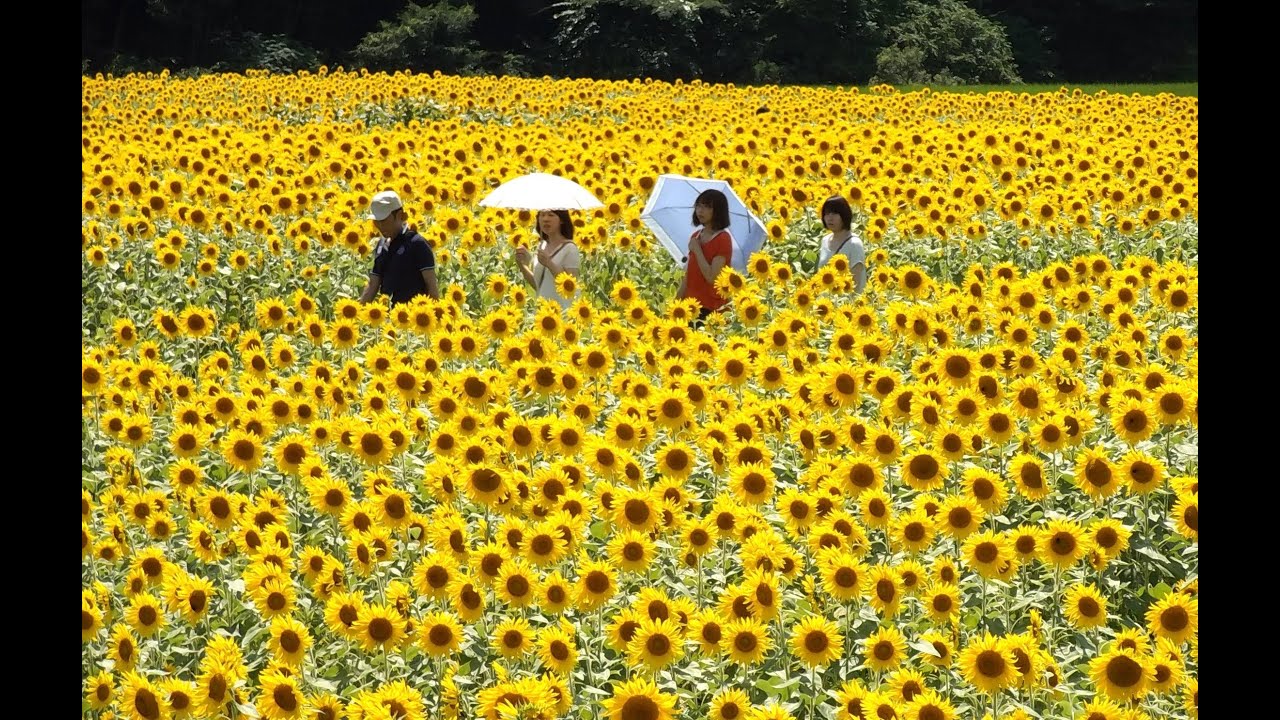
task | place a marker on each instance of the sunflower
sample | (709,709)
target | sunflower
(197,322)
(194,596)
(1173,402)
(1132,420)
(1142,472)
(639,700)
(631,551)
(816,641)
(487,484)
(877,508)
(884,588)
(913,532)
(675,460)
(513,637)
(928,705)
(942,653)
(466,598)
(734,366)
(884,444)
(1101,708)
(142,700)
(289,640)
(1186,515)
(885,649)
(858,473)
(100,690)
(378,627)
(281,698)
(1175,617)
(998,424)
(730,704)
(752,484)
(622,629)
(1028,476)
(635,510)
(986,552)
(145,615)
(517,584)
(1169,670)
(1096,474)
(959,516)
(214,686)
(986,488)
(988,665)
(923,470)
(655,644)
(1122,674)
(745,641)
(557,649)
(1084,606)
(850,701)
(1063,543)
(243,450)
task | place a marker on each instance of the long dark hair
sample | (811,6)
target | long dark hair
(566,224)
(719,205)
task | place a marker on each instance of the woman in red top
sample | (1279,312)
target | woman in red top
(710,248)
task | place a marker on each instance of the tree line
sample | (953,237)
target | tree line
(744,41)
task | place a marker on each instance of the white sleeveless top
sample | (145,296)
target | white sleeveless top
(568,258)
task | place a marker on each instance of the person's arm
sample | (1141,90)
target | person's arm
(426,258)
(371,288)
(709,269)
(429,277)
(859,272)
(684,287)
(523,262)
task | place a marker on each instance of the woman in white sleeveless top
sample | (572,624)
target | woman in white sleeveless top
(556,254)
(837,216)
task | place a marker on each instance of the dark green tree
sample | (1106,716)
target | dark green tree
(945,42)
(434,36)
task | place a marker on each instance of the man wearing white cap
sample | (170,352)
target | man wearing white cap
(404,265)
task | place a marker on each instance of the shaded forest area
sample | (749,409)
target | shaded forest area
(746,41)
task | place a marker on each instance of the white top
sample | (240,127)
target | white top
(851,249)
(568,258)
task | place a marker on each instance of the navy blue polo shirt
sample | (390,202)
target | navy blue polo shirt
(399,264)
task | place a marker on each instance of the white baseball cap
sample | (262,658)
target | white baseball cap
(383,204)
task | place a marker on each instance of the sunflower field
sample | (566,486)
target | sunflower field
(970,491)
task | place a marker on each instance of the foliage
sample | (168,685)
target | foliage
(434,36)
(946,42)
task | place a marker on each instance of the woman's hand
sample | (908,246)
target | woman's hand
(694,245)
(544,257)
(522,255)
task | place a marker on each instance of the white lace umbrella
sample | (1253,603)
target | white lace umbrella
(670,210)
(541,191)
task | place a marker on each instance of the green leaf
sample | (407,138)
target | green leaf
(1159,591)
(1153,554)
(926,647)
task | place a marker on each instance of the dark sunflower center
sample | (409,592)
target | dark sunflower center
(146,704)
(924,467)
(639,707)
(816,641)
(1124,671)
(597,582)
(991,664)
